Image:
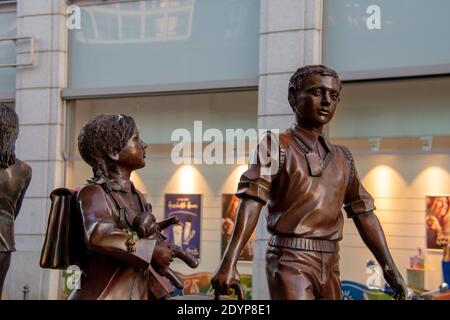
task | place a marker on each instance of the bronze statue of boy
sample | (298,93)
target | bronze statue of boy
(315,179)
(15,176)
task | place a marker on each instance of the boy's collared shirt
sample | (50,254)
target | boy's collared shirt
(303,202)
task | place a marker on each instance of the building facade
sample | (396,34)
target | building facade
(227,64)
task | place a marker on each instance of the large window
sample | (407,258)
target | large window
(165,42)
(396,114)
(399,135)
(383,38)
(8,28)
(157,117)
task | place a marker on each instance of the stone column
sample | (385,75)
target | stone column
(40,142)
(290,37)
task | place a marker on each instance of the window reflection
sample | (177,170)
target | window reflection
(137,22)
(8,28)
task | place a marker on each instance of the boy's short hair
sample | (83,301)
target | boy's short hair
(9,130)
(102,136)
(298,79)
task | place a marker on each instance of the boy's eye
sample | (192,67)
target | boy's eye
(317,92)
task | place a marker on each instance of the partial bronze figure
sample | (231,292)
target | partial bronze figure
(15,176)
(304,198)
(125,254)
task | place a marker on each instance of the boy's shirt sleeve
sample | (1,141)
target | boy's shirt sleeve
(357,198)
(265,164)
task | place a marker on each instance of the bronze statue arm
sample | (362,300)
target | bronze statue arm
(102,234)
(372,234)
(105,238)
(27,170)
(247,217)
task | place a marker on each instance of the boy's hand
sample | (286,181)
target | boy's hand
(145,224)
(162,257)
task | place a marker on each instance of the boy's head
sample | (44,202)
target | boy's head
(103,138)
(9,130)
(314,93)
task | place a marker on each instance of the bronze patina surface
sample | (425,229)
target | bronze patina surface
(313,182)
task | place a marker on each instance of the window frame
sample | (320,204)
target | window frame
(386,73)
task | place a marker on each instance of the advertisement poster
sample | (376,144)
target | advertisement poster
(229,205)
(437,221)
(187,208)
(200,284)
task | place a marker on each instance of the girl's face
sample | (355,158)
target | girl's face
(440,207)
(132,156)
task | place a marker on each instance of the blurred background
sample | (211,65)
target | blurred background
(227,63)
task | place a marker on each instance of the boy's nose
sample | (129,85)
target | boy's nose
(326,100)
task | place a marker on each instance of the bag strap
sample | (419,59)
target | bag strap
(145,206)
(120,209)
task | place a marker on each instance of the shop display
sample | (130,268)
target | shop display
(417,261)
(415,274)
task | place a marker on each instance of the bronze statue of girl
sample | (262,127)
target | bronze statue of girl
(127,256)
(15,176)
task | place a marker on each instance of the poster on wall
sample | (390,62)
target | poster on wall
(437,221)
(200,284)
(187,208)
(229,205)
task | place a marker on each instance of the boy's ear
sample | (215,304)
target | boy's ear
(114,156)
(292,97)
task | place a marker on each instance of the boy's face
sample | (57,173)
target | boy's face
(317,102)
(133,155)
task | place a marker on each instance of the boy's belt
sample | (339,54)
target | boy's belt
(304,244)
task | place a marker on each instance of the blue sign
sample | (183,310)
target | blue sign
(351,290)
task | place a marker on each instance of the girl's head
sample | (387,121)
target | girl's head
(9,130)
(110,138)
